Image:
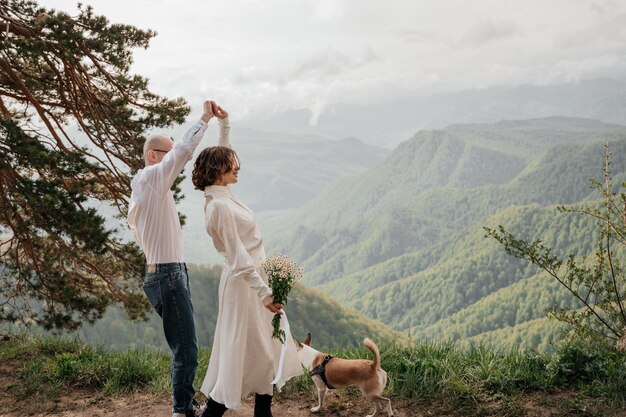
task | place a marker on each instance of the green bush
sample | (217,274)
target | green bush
(580,363)
(613,389)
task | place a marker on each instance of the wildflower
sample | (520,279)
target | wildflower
(282,273)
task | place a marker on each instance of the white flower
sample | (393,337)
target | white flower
(282,273)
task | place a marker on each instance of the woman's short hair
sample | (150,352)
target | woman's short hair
(211,164)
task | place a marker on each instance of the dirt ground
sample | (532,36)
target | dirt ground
(159,407)
(87,405)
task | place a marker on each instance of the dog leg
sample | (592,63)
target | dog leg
(389,410)
(382,402)
(321,391)
(378,408)
(375,411)
(320,404)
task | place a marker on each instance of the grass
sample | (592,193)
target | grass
(444,374)
(56,362)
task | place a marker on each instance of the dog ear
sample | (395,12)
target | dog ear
(307,341)
(298,344)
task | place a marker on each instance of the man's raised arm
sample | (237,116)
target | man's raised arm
(175,160)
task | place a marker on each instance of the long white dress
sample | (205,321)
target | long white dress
(245,357)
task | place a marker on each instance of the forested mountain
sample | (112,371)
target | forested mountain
(309,311)
(416,197)
(404,243)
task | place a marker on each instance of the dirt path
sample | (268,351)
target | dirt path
(158,407)
(89,404)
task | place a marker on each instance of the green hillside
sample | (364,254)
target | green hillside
(414,256)
(518,303)
(461,156)
(468,285)
(542,334)
(310,311)
(479,267)
(350,226)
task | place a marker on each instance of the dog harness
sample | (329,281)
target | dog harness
(321,371)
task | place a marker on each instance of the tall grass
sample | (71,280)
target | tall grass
(53,361)
(425,373)
(445,372)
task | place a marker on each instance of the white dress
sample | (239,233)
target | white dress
(245,357)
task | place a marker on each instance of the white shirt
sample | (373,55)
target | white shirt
(152,215)
(233,228)
(236,236)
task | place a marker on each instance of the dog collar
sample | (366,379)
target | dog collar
(321,371)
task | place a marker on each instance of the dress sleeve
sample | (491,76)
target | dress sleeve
(237,257)
(223,138)
(162,176)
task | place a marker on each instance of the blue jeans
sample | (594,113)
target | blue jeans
(168,291)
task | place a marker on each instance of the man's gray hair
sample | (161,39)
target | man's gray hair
(154,142)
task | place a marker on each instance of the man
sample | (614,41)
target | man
(153,218)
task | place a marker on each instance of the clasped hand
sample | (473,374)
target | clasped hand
(211,109)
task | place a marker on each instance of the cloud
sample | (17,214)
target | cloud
(327,64)
(489,30)
(597,8)
(313,83)
(330,64)
(260,57)
(576,69)
(606,33)
(328,10)
(413,35)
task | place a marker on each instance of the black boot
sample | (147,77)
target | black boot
(214,409)
(263,405)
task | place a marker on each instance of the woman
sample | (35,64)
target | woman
(245,358)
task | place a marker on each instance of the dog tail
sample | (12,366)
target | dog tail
(372,346)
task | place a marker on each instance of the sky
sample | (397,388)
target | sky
(262,57)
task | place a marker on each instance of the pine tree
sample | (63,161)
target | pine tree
(72,125)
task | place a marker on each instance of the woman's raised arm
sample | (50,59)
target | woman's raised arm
(223,126)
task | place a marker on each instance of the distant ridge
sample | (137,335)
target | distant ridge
(403,243)
(391,122)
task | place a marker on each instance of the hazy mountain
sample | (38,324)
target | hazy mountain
(278,172)
(389,123)
(285,171)
(398,234)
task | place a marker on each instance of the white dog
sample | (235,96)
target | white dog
(329,372)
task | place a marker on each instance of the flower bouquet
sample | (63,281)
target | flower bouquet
(282,273)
